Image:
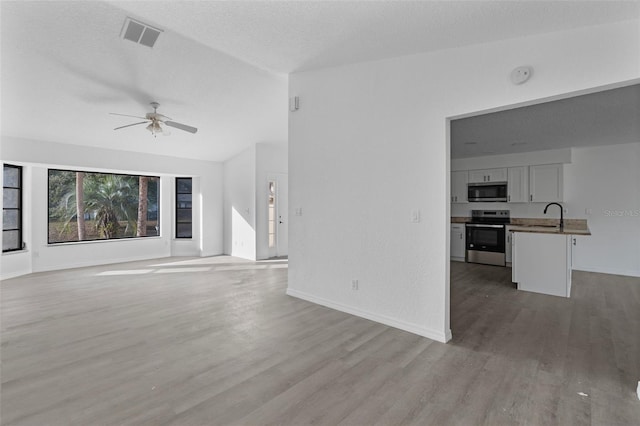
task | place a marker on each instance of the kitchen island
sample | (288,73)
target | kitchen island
(542,256)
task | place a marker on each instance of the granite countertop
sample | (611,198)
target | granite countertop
(458,219)
(549,226)
(549,230)
(540,225)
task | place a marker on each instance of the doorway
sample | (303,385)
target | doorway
(277,215)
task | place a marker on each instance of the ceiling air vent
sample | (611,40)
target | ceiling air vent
(140,33)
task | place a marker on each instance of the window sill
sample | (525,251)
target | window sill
(113,240)
(9,253)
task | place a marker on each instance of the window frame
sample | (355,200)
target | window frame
(20,228)
(101,240)
(178,208)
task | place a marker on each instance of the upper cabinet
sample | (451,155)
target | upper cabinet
(518,184)
(489,175)
(459,182)
(545,183)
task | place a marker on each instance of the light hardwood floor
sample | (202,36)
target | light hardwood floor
(216,341)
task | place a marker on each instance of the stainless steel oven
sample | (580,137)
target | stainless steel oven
(485,237)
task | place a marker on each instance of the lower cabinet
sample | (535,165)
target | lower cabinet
(541,263)
(507,246)
(458,247)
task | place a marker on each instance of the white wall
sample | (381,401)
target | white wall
(271,160)
(37,156)
(370,144)
(604,179)
(240,204)
(245,188)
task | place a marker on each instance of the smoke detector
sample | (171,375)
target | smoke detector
(139,32)
(521,74)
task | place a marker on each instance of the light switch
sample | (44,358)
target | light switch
(415,216)
(587,211)
(298,211)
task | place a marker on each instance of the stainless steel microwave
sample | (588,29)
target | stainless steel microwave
(487,192)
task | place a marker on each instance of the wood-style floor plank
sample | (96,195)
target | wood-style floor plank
(216,341)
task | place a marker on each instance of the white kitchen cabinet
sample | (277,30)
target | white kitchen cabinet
(488,175)
(458,248)
(541,262)
(507,245)
(459,182)
(518,184)
(545,183)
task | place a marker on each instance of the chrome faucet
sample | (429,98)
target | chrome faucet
(561,213)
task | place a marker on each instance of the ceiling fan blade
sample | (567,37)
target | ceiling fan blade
(181,126)
(162,117)
(127,115)
(129,125)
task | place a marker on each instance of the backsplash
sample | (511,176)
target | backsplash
(524,210)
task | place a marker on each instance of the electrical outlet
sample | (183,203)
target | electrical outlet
(354,284)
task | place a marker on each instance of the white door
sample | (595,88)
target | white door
(282,200)
(278,220)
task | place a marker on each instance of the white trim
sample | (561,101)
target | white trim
(392,322)
(625,272)
(93,262)
(12,252)
(103,240)
(14,275)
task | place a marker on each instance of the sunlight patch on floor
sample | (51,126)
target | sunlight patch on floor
(129,272)
(181,270)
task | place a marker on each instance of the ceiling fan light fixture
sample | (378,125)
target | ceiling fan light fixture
(154,128)
(155,122)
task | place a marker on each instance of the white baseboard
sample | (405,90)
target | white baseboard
(614,271)
(14,275)
(88,263)
(392,322)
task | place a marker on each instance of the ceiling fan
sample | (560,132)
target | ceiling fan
(156,122)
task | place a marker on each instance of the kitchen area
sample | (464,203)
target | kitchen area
(547,189)
(537,249)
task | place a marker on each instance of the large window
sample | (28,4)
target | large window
(11,208)
(87,206)
(184,216)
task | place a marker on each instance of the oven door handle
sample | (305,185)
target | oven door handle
(479,225)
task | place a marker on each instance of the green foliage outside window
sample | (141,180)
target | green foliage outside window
(85,206)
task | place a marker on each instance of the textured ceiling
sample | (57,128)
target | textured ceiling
(607,117)
(221,65)
(65,68)
(288,36)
